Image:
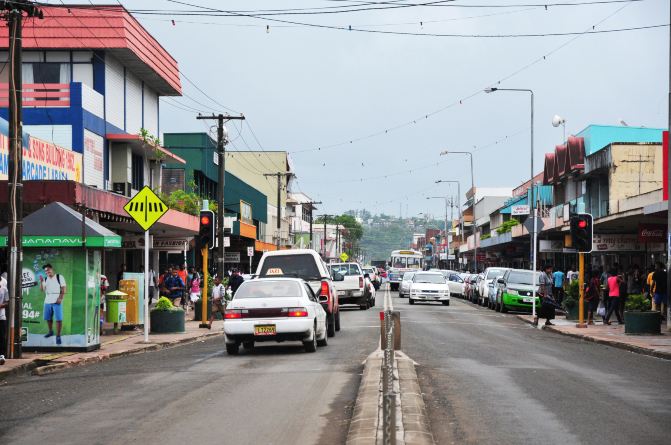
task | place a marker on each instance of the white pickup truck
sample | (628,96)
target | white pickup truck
(351,290)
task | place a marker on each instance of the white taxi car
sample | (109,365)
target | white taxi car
(274,309)
(429,286)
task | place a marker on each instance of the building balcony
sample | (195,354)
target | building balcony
(39,95)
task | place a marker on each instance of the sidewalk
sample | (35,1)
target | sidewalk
(124,343)
(613,335)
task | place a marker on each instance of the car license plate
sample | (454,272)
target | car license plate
(528,300)
(265,329)
(342,292)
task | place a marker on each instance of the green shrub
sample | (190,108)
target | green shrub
(485,236)
(572,296)
(637,302)
(507,226)
(164,304)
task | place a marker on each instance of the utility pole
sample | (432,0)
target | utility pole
(325,217)
(668,217)
(222,140)
(14,15)
(279,176)
(312,207)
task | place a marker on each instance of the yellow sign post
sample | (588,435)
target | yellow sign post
(204,321)
(146,208)
(344,257)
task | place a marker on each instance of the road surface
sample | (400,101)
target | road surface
(490,378)
(197,394)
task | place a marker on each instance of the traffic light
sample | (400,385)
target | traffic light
(207,231)
(582,232)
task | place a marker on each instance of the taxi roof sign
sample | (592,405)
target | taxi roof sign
(146,208)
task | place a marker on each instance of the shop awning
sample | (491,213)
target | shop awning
(57,225)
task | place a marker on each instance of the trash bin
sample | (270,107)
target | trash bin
(116,311)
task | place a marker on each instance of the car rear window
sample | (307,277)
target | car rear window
(346,269)
(297,266)
(494,273)
(408,276)
(268,289)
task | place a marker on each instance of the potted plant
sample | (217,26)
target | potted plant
(638,318)
(571,300)
(166,318)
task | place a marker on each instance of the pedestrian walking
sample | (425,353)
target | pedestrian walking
(218,300)
(175,287)
(194,288)
(183,275)
(4,303)
(558,285)
(647,286)
(235,281)
(548,303)
(104,287)
(613,284)
(660,297)
(593,295)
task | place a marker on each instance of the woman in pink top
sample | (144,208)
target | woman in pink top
(614,281)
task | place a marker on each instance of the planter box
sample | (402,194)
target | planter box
(197,315)
(572,313)
(642,322)
(163,322)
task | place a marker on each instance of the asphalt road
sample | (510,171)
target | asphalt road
(195,393)
(490,378)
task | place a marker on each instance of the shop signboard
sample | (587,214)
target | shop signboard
(519,210)
(79,270)
(231,257)
(622,243)
(43,161)
(651,233)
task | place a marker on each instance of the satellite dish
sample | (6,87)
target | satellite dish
(557,120)
(623,123)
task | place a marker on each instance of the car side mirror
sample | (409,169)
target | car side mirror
(338,277)
(500,281)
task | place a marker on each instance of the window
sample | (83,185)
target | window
(268,289)
(246,212)
(346,269)
(430,278)
(137,172)
(297,266)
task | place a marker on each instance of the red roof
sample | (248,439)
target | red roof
(112,29)
(549,170)
(567,159)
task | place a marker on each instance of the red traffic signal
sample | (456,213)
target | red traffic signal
(582,232)
(207,231)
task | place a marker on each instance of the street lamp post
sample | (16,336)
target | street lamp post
(461,216)
(475,226)
(532,206)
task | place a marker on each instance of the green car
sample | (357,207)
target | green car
(515,291)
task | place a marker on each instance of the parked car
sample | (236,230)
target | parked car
(373,275)
(429,286)
(307,265)
(515,291)
(490,274)
(274,309)
(469,286)
(404,285)
(476,283)
(352,289)
(492,289)
(455,282)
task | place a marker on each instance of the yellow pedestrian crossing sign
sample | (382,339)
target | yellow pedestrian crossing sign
(146,208)
(344,257)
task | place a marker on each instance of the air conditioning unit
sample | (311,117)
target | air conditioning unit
(122,188)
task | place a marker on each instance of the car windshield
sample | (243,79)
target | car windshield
(369,271)
(299,266)
(268,289)
(408,276)
(520,277)
(494,273)
(345,269)
(429,278)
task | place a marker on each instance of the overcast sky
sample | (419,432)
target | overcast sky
(304,87)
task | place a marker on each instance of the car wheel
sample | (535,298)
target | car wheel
(504,309)
(324,341)
(446,303)
(330,325)
(337,321)
(411,301)
(363,307)
(232,348)
(497,307)
(248,345)
(311,345)
(372,303)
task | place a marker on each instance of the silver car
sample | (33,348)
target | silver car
(404,286)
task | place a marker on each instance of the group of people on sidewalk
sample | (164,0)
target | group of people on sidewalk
(605,291)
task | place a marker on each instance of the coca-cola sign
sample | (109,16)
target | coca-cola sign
(651,233)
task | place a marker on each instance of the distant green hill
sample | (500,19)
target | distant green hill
(385,234)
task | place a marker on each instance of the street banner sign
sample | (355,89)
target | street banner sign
(146,208)
(519,210)
(344,257)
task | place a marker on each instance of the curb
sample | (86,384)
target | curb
(615,344)
(416,428)
(364,423)
(55,367)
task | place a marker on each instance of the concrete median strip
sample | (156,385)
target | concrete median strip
(366,424)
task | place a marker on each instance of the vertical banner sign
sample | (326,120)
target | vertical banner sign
(665,168)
